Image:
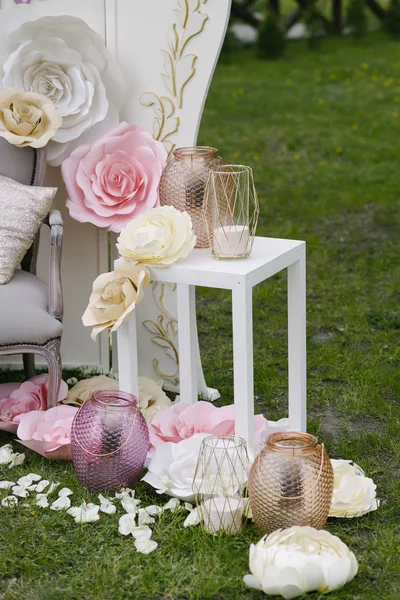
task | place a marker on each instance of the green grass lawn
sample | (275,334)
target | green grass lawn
(322,132)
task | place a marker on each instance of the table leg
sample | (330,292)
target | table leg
(187,343)
(242,324)
(297,344)
(128,357)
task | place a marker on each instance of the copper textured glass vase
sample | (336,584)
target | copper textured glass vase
(183,183)
(291,483)
(109,441)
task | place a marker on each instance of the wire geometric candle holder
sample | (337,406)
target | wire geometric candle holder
(231,211)
(109,441)
(290,483)
(220,483)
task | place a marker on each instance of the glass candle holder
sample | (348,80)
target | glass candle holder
(231,211)
(109,441)
(291,483)
(183,182)
(220,483)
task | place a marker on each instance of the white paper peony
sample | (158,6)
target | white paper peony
(158,238)
(63,59)
(354,494)
(291,562)
(172,467)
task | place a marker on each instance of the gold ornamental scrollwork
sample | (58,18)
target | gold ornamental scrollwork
(179,68)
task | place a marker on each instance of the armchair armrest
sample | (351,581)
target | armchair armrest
(55,222)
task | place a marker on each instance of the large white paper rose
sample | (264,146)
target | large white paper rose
(63,59)
(159,238)
(354,494)
(291,562)
(172,467)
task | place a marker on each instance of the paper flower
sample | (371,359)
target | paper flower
(145,546)
(25,397)
(85,513)
(63,59)
(52,426)
(354,494)
(291,562)
(114,297)
(116,178)
(27,119)
(159,238)
(172,467)
(152,398)
(180,421)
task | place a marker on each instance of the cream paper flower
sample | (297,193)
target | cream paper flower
(152,398)
(354,494)
(159,238)
(291,562)
(27,119)
(63,59)
(114,297)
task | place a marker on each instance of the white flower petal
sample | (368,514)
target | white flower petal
(144,517)
(17,460)
(53,487)
(61,503)
(145,546)
(42,485)
(6,454)
(42,500)
(85,513)
(6,485)
(154,510)
(106,506)
(130,505)
(141,533)
(34,477)
(65,492)
(9,501)
(188,506)
(193,518)
(20,491)
(127,524)
(172,504)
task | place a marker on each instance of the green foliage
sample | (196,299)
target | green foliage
(315,27)
(271,39)
(392,21)
(356,17)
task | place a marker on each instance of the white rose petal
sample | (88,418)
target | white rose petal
(172,504)
(42,500)
(53,487)
(62,503)
(291,562)
(127,524)
(141,533)
(144,517)
(6,454)
(354,494)
(106,506)
(20,491)
(193,518)
(16,460)
(145,546)
(188,506)
(42,485)
(154,510)
(34,477)
(65,492)
(6,485)
(9,501)
(130,505)
(85,513)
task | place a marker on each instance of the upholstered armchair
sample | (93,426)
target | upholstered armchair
(30,311)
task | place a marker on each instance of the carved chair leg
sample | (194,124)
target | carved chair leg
(52,353)
(29,365)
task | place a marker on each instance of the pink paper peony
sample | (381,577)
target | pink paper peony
(52,426)
(16,399)
(181,421)
(115,179)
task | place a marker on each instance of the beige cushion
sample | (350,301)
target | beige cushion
(23,312)
(22,210)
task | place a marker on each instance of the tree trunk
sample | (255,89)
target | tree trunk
(244,13)
(337,16)
(376,9)
(274,6)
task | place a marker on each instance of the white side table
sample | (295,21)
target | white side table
(269,256)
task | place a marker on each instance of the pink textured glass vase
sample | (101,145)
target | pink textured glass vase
(109,441)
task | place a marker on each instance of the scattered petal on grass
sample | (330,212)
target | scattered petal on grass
(65,492)
(85,513)
(144,517)
(172,504)
(188,506)
(6,454)
(20,491)
(193,518)
(42,501)
(17,460)
(130,504)
(53,487)
(9,501)
(6,485)
(42,485)
(125,492)
(106,506)
(154,510)
(34,477)
(61,503)
(127,524)
(145,546)
(142,533)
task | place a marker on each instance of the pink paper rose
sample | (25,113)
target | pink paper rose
(52,426)
(115,179)
(181,421)
(17,399)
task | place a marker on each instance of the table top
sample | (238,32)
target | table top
(269,256)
